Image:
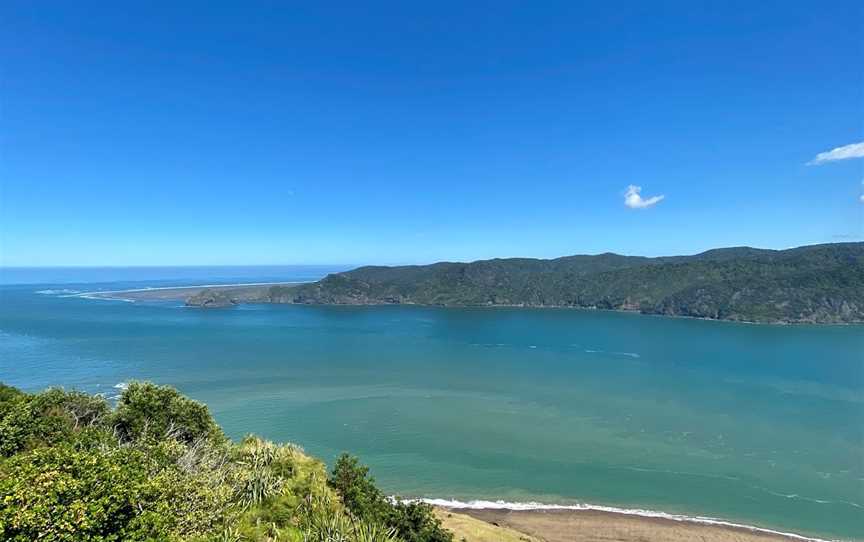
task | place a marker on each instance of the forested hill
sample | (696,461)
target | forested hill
(819,283)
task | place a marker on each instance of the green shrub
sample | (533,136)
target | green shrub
(127,493)
(411,521)
(262,474)
(61,494)
(357,489)
(79,409)
(323,520)
(147,411)
(159,468)
(17,424)
(416,522)
(9,395)
(51,417)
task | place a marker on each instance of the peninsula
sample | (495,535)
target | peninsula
(809,284)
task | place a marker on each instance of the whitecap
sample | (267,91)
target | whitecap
(627,354)
(58,291)
(101,297)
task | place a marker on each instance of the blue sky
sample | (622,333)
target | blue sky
(275,133)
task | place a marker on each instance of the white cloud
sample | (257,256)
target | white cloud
(861,198)
(854,150)
(634,200)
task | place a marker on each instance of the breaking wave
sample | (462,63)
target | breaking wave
(59,291)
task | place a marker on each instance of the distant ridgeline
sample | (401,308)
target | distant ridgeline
(819,283)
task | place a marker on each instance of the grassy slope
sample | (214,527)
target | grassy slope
(468,529)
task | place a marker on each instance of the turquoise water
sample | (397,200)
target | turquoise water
(757,424)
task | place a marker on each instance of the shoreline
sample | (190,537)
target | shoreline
(191,287)
(174,293)
(644,514)
(141,294)
(553,517)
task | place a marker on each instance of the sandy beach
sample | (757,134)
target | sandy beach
(245,291)
(589,526)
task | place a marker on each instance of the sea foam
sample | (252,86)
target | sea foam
(628,354)
(99,297)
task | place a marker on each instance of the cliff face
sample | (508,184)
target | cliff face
(821,283)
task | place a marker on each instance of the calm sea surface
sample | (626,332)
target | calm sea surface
(756,424)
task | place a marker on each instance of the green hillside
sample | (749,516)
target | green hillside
(819,283)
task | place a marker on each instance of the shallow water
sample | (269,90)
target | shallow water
(755,424)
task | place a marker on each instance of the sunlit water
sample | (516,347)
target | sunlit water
(757,424)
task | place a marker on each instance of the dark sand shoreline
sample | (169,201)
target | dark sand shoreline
(604,526)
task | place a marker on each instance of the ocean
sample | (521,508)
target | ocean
(754,424)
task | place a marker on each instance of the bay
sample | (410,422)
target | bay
(756,424)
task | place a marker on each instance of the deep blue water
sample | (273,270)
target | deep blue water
(756,424)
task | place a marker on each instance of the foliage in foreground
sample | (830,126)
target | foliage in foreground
(157,467)
(413,521)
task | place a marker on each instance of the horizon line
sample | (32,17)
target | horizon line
(392,264)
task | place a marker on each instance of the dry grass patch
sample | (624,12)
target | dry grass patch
(473,530)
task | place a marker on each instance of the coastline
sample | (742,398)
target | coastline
(583,513)
(167,293)
(587,522)
(177,293)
